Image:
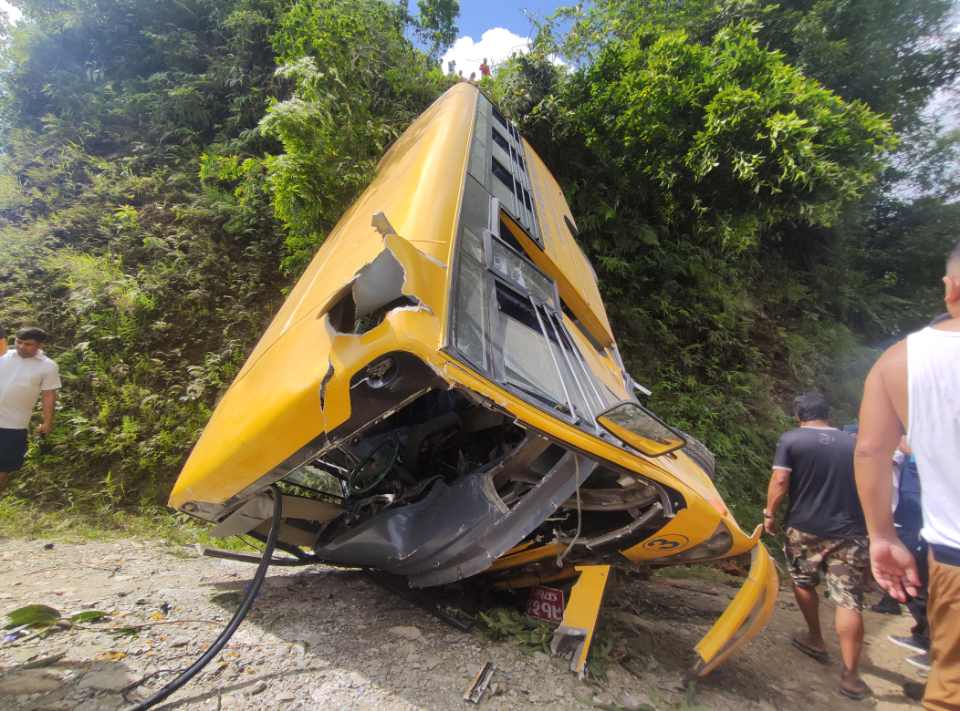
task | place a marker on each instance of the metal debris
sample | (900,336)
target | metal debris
(480,683)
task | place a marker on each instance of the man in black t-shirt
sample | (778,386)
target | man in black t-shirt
(825,530)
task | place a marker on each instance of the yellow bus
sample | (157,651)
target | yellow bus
(441,396)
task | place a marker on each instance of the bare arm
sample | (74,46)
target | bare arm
(49,401)
(881,425)
(776,490)
(880,431)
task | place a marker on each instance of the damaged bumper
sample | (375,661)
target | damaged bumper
(745,617)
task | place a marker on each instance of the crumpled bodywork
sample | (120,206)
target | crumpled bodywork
(428,395)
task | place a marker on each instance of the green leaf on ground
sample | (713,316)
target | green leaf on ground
(89,616)
(125,631)
(33,615)
(502,623)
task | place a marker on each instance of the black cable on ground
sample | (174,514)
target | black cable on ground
(238,616)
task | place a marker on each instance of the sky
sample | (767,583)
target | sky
(12,12)
(494,29)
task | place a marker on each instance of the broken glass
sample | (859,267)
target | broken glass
(469,330)
(519,271)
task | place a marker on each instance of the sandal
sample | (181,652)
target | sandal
(819,654)
(859,693)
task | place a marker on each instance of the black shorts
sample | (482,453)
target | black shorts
(13,446)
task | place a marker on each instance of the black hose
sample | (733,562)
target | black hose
(244,558)
(238,616)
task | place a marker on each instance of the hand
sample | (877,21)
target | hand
(894,568)
(770,525)
(43,429)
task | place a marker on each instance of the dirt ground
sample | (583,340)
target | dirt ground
(321,637)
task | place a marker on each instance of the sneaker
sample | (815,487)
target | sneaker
(887,606)
(920,661)
(911,643)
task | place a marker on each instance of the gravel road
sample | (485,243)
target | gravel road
(327,638)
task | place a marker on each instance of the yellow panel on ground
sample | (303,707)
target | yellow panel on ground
(575,633)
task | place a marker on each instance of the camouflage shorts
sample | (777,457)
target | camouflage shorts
(844,561)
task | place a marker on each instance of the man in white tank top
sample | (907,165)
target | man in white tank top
(915,387)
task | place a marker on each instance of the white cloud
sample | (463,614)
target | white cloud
(12,13)
(496,45)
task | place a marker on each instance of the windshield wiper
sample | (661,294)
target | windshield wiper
(539,394)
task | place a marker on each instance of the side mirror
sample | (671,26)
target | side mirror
(641,429)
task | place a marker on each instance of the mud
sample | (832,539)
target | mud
(323,637)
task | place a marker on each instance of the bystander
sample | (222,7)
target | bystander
(915,387)
(26,374)
(825,532)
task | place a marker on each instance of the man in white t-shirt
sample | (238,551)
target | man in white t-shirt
(26,374)
(915,387)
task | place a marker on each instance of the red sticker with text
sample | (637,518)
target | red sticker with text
(545,604)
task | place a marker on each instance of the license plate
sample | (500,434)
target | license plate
(545,604)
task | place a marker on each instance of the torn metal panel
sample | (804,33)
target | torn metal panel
(323,384)
(378,284)
(457,530)
(382,225)
(383,286)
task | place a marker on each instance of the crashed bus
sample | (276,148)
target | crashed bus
(441,397)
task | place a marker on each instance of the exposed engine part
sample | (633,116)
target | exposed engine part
(619,536)
(614,499)
(258,511)
(412,485)
(374,467)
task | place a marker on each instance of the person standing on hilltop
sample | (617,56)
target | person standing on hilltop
(914,387)
(825,530)
(26,374)
(484,68)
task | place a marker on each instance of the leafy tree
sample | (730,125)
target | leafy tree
(890,54)
(732,139)
(152,286)
(437,24)
(357,83)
